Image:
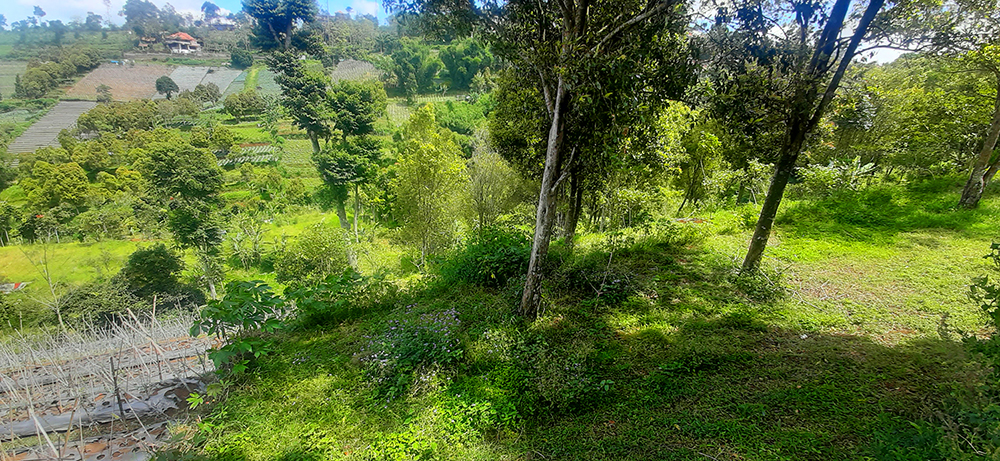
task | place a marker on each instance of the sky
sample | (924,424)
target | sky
(69,10)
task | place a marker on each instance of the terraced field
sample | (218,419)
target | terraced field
(354,70)
(8,71)
(126,82)
(43,132)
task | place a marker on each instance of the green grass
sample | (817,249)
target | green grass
(854,361)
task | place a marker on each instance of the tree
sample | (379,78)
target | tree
(812,54)
(352,162)
(187,180)
(243,104)
(166,85)
(430,174)
(38,11)
(491,189)
(357,105)
(565,45)
(207,93)
(51,185)
(103,94)
(463,61)
(276,19)
(306,96)
(241,59)
(984,60)
(141,16)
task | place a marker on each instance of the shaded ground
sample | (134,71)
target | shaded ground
(44,132)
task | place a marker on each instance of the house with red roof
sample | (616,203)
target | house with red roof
(182,43)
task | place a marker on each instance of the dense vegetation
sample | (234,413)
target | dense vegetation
(518,231)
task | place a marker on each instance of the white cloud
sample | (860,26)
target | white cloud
(365,7)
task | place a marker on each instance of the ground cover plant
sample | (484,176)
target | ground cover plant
(406,242)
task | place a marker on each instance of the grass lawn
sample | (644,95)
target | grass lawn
(650,348)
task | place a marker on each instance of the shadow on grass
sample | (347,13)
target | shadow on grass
(675,360)
(879,213)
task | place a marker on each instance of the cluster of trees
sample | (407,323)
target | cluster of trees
(52,67)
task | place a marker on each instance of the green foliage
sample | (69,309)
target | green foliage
(207,93)
(356,105)
(275,20)
(986,293)
(464,61)
(430,170)
(103,94)
(492,257)
(413,67)
(241,58)
(101,304)
(411,344)
(247,308)
(338,297)
(51,185)
(166,85)
(121,117)
(313,256)
(835,177)
(152,270)
(243,104)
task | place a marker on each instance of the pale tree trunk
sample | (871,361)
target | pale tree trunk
(531,299)
(982,171)
(314,139)
(357,210)
(342,214)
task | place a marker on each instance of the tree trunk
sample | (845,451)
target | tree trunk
(211,288)
(782,172)
(288,36)
(314,139)
(977,180)
(575,207)
(357,209)
(531,299)
(342,214)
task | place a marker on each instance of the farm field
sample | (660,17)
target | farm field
(43,132)
(8,71)
(187,77)
(126,82)
(399,112)
(354,70)
(266,84)
(235,86)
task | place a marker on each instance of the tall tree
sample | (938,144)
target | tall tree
(560,43)
(430,175)
(276,19)
(306,96)
(984,60)
(808,48)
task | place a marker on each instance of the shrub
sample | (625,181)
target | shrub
(152,270)
(337,297)
(490,258)
(246,308)
(241,59)
(314,255)
(100,304)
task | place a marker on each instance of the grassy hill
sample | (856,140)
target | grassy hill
(847,347)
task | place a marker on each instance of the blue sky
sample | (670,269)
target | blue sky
(68,10)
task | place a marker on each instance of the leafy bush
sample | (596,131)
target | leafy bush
(411,344)
(241,59)
(837,176)
(314,255)
(152,270)
(337,297)
(246,308)
(490,258)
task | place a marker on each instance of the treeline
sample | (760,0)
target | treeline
(52,68)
